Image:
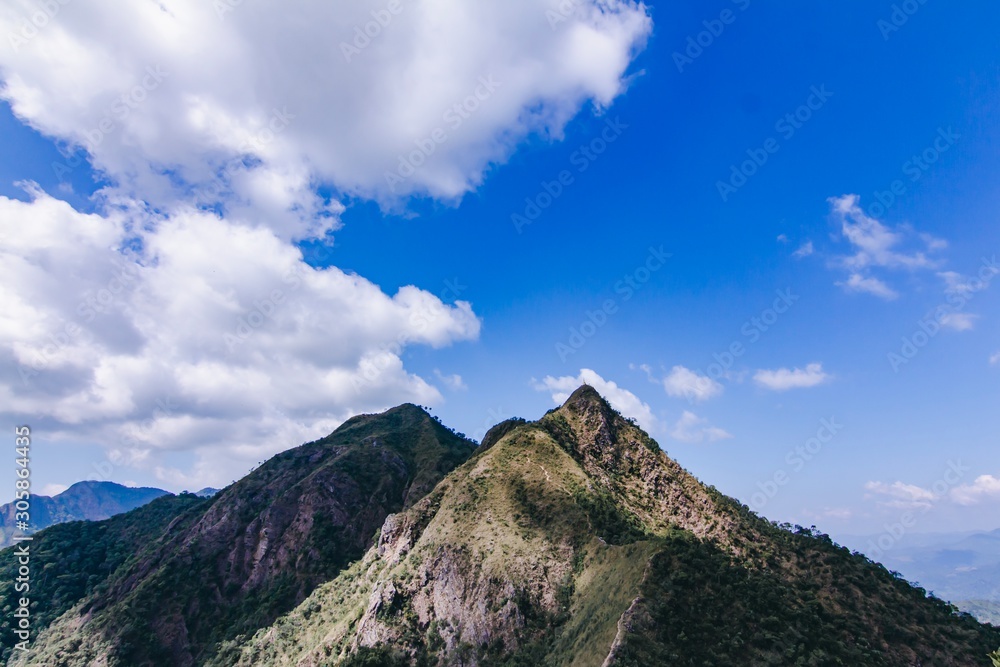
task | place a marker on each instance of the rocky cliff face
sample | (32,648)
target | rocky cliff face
(261,545)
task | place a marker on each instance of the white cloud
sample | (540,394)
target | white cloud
(804,250)
(453,382)
(901,496)
(682,382)
(995,358)
(875,244)
(213,337)
(620,399)
(985,487)
(958,321)
(782,238)
(956,283)
(270,95)
(858,283)
(209,334)
(783,379)
(692,428)
(52,489)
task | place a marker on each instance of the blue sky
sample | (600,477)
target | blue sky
(879,98)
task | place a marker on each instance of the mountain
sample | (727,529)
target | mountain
(234,562)
(573,540)
(207,492)
(84,501)
(73,561)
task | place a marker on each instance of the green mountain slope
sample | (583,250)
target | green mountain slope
(84,501)
(72,561)
(575,541)
(257,548)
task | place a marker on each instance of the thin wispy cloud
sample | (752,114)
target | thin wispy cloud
(783,379)
(899,495)
(804,250)
(862,285)
(958,321)
(691,428)
(876,245)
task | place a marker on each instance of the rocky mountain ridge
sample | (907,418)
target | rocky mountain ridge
(573,540)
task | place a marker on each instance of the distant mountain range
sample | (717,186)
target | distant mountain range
(570,541)
(91,501)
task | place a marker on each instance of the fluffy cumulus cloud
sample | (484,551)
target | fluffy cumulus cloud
(180,316)
(984,488)
(693,429)
(783,379)
(264,100)
(620,398)
(683,382)
(207,336)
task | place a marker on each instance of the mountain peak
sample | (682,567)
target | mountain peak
(586,396)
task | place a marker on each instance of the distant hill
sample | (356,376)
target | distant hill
(571,541)
(207,492)
(84,501)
